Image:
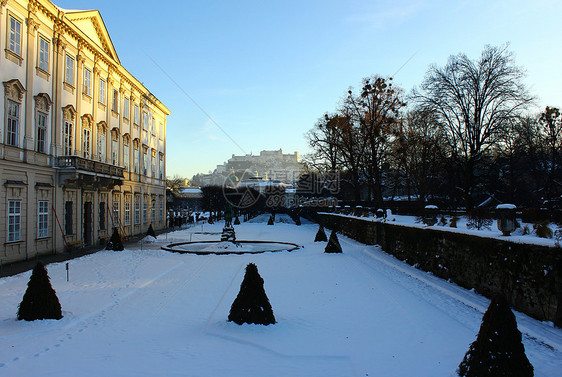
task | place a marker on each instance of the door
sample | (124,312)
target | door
(87,223)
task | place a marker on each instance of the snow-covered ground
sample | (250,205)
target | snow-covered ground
(154,313)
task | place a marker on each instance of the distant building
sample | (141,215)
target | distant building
(82,141)
(268,165)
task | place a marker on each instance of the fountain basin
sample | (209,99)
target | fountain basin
(228,247)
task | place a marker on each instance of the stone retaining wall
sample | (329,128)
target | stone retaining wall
(529,276)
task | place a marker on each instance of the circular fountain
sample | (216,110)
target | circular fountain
(229,245)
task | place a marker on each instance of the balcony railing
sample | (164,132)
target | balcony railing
(89,166)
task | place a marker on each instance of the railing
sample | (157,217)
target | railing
(80,163)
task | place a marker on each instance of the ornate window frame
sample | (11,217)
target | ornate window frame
(13,94)
(87,128)
(42,109)
(102,141)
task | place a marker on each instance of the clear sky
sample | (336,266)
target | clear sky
(265,71)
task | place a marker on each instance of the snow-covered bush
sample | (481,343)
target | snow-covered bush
(478,220)
(453,222)
(498,350)
(115,243)
(150,231)
(40,300)
(543,230)
(251,305)
(333,245)
(320,235)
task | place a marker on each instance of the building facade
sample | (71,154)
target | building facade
(82,141)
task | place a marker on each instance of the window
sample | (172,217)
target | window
(145,210)
(136,120)
(127,210)
(43,219)
(153,126)
(12,133)
(68,218)
(41,132)
(144,120)
(101,98)
(87,82)
(136,162)
(14,42)
(102,213)
(115,147)
(161,166)
(101,144)
(153,164)
(137,209)
(161,209)
(14,220)
(67,138)
(161,130)
(115,102)
(69,76)
(146,162)
(43,56)
(126,153)
(86,142)
(126,108)
(153,210)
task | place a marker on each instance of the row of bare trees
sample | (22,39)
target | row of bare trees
(466,134)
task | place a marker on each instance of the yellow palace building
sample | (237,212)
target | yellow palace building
(82,141)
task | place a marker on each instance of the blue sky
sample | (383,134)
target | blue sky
(265,71)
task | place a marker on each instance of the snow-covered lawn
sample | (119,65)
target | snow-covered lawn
(153,313)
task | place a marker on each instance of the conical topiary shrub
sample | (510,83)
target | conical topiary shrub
(115,243)
(333,245)
(251,305)
(150,231)
(498,350)
(236,221)
(320,235)
(40,300)
(298,220)
(271,220)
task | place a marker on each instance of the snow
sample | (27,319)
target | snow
(492,232)
(148,312)
(506,206)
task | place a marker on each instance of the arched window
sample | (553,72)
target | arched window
(101,141)
(126,151)
(115,146)
(68,115)
(87,122)
(42,106)
(14,94)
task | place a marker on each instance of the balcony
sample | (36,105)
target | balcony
(74,170)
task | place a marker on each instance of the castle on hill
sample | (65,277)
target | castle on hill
(268,165)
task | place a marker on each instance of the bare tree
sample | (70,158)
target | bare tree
(323,139)
(175,183)
(417,152)
(473,102)
(376,110)
(550,127)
